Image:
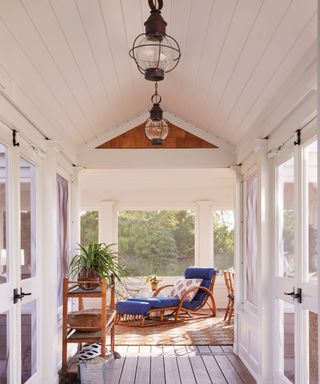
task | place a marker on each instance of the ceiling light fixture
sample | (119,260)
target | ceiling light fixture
(156,127)
(155,52)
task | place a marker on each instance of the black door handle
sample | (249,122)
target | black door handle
(295,295)
(298,295)
(19,296)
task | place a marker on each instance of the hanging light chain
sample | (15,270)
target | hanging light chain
(156,98)
(156,127)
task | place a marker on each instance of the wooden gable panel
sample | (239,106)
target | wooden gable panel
(135,138)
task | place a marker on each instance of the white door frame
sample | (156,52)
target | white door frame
(283,284)
(14,260)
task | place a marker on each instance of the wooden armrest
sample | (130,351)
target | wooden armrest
(161,288)
(183,298)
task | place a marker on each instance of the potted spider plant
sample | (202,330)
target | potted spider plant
(94,262)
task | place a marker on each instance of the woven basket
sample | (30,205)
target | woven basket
(87,320)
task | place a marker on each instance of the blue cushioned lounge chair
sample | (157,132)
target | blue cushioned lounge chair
(135,311)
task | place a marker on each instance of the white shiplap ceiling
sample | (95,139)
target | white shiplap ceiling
(65,63)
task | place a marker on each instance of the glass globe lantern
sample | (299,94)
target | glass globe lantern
(156,127)
(155,52)
(156,130)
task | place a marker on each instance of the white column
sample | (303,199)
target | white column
(75,208)
(108,230)
(204,256)
(265,262)
(49,330)
(238,256)
(318,191)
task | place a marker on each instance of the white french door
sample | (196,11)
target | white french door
(296,270)
(19,266)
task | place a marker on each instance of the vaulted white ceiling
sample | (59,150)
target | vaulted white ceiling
(65,63)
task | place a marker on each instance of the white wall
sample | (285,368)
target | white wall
(145,188)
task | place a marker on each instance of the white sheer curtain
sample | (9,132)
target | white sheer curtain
(62,228)
(251,240)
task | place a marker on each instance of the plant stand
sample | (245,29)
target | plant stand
(71,290)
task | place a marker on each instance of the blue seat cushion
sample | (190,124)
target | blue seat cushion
(132,307)
(200,295)
(189,304)
(199,273)
(162,302)
(157,302)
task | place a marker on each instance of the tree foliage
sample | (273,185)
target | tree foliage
(162,242)
(89,228)
(223,234)
(156,242)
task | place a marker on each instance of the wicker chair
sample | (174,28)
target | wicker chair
(228,278)
(155,310)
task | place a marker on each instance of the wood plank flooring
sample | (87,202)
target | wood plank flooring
(179,365)
(175,365)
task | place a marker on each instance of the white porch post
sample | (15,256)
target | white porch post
(265,261)
(204,256)
(75,208)
(318,170)
(49,358)
(108,229)
(238,254)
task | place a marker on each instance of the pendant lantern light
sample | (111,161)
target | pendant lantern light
(156,127)
(155,52)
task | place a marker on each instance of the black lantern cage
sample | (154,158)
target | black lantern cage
(154,52)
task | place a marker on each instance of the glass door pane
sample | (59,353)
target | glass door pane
(4,349)
(287,315)
(28,340)
(27,218)
(311,202)
(286,219)
(313,347)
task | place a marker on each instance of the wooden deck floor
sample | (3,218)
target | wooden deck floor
(181,364)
